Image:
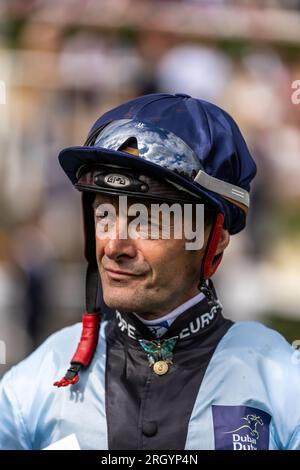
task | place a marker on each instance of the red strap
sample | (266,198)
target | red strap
(210,264)
(65,382)
(89,339)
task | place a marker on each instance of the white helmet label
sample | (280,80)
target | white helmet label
(117,181)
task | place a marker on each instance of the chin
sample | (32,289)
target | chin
(120,302)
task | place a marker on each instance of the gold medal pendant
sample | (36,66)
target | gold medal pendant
(159,353)
(160,367)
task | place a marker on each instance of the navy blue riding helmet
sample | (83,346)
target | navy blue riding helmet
(168,147)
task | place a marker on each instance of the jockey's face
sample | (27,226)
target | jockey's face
(148,276)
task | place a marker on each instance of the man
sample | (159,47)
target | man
(166,370)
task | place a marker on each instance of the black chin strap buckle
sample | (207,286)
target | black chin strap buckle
(207,288)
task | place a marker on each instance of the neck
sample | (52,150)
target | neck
(171,315)
(160,313)
(192,318)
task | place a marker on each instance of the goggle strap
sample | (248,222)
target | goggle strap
(235,194)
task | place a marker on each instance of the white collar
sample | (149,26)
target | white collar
(170,317)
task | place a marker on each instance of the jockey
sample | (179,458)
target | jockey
(154,363)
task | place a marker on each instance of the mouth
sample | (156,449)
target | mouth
(119,275)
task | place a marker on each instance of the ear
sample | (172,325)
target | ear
(223,241)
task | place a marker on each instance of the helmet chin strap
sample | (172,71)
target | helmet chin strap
(90,333)
(91,320)
(211,261)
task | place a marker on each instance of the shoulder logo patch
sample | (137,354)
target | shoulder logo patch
(240,428)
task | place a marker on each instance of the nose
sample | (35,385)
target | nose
(120,245)
(117,249)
